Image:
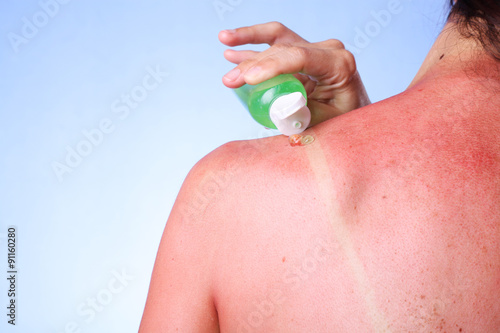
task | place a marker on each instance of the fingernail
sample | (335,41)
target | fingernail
(233,74)
(230,31)
(253,73)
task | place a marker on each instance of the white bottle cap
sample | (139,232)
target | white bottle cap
(290,113)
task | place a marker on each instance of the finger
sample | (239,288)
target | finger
(235,78)
(237,57)
(267,33)
(308,82)
(329,67)
(332,44)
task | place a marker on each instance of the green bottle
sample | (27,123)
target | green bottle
(279,103)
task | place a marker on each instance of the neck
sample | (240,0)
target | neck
(452,53)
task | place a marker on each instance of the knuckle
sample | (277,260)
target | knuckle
(335,44)
(348,60)
(299,51)
(277,27)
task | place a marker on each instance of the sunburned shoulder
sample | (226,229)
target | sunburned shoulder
(242,175)
(240,160)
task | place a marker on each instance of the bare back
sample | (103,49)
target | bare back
(388,222)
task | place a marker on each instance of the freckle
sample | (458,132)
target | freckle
(384,197)
(422,296)
(284,259)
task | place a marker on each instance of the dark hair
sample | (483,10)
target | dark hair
(479,19)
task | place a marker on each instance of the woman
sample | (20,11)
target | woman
(388,222)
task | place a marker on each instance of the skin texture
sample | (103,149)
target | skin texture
(388,222)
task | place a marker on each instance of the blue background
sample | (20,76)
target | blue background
(66,68)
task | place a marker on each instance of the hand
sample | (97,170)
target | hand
(327,69)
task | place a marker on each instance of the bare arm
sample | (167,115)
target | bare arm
(180,298)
